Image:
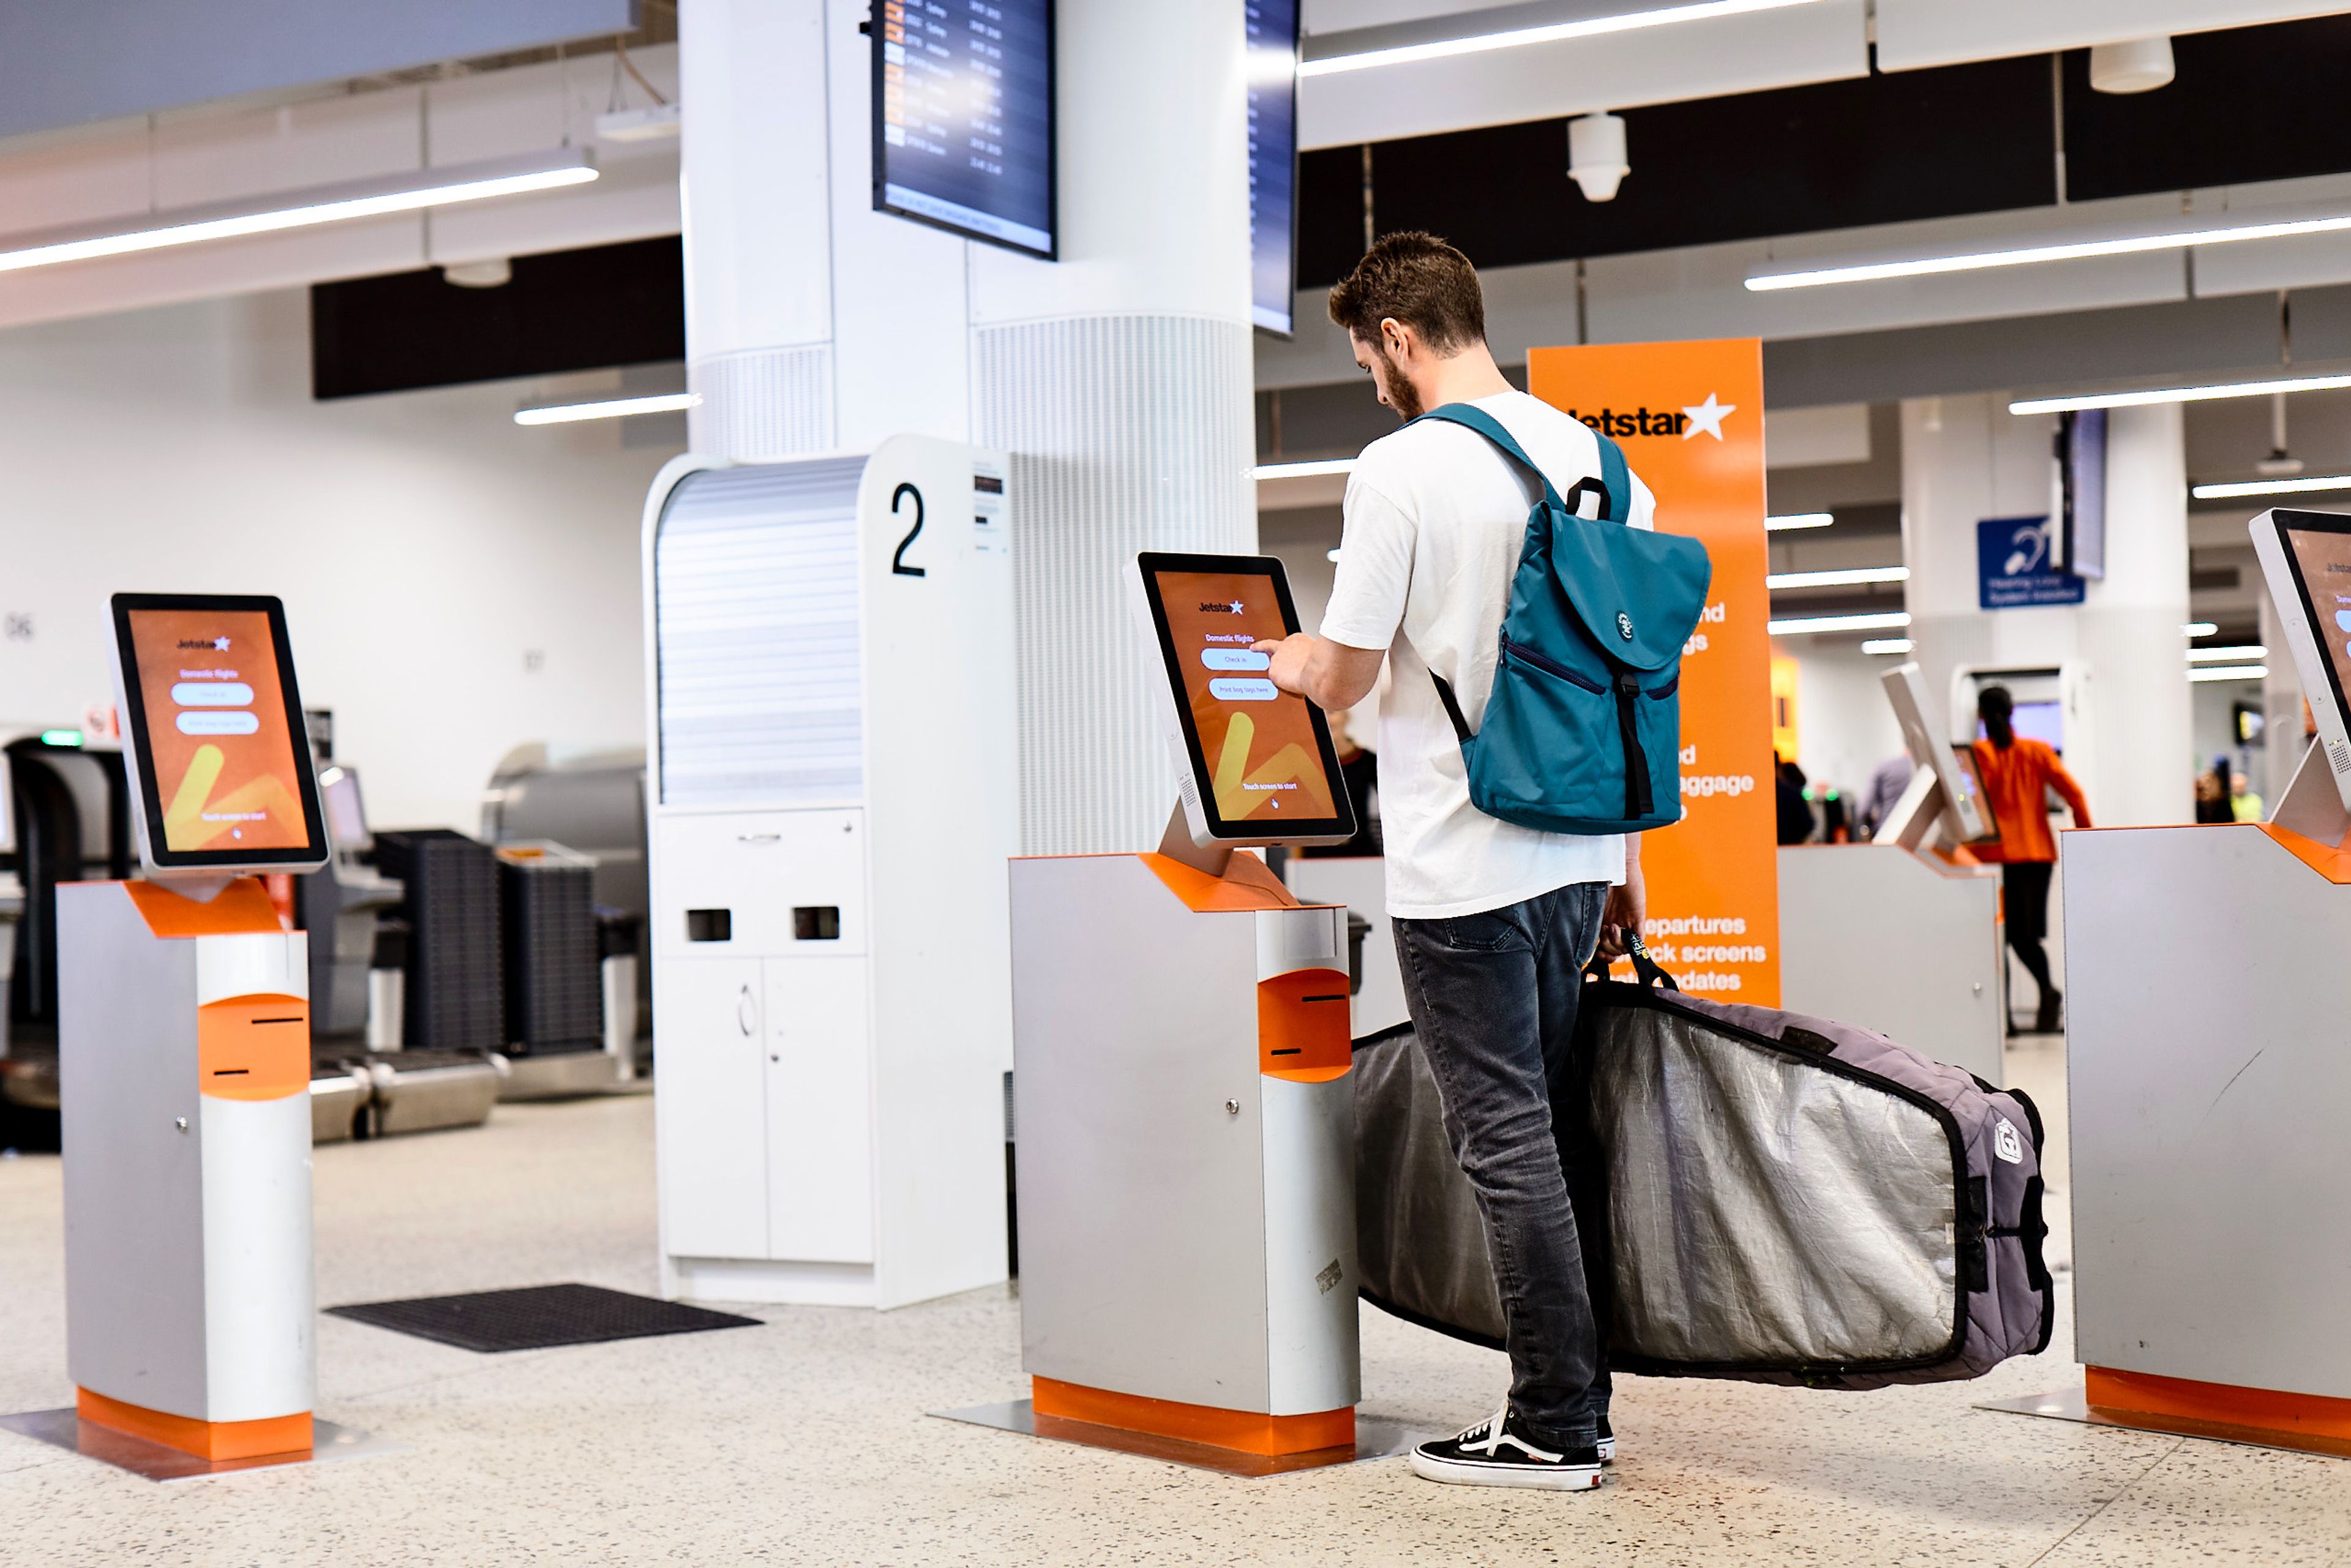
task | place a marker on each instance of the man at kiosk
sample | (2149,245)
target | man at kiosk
(1494,921)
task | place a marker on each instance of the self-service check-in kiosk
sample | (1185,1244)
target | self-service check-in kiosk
(1187,1234)
(833,800)
(1902,935)
(2209,983)
(184,1050)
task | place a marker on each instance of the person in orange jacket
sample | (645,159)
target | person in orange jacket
(2017,775)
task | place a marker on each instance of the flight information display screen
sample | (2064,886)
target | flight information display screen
(1262,756)
(962,118)
(1272,161)
(214,725)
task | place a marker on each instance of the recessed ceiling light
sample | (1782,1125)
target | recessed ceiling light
(2269,488)
(1303,470)
(610,408)
(2231,673)
(2240,655)
(1847,577)
(2112,240)
(1550,33)
(2200,393)
(1798,521)
(1886,645)
(1886,621)
(310,206)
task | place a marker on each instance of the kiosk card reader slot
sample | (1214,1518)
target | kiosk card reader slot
(184,1049)
(1180,1039)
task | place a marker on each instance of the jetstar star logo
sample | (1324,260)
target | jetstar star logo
(1691,421)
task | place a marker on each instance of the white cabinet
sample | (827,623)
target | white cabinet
(709,1017)
(820,1125)
(760,883)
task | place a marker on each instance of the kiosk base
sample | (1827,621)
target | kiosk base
(205,1439)
(2253,1418)
(77,1434)
(1250,1431)
(1375,1438)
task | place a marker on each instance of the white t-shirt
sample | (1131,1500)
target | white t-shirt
(1435,517)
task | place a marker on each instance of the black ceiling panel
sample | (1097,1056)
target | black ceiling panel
(1887,149)
(2248,104)
(1330,213)
(568,310)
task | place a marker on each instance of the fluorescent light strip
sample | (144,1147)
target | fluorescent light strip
(1847,577)
(2199,629)
(2269,488)
(2231,673)
(2178,394)
(2024,256)
(1303,470)
(1551,32)
(2224,655)
(610,408)
(1886,621)
(1886,645)
(318,205)
(1780,524)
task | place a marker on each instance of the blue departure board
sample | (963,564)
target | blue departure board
(1272,160)
(962,118)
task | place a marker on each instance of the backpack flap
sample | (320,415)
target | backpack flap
(1638,594)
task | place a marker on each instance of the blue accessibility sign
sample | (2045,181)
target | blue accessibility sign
(2013,566)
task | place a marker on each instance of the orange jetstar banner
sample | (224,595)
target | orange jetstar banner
(1690,419)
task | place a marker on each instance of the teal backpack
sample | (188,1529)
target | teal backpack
(1583,733)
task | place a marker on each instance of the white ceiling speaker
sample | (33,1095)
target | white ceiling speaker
(1595,155)
(496,272)
(2140,65)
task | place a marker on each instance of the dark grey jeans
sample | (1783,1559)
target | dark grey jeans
(1493,1000)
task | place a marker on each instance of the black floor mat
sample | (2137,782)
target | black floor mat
(538,1316)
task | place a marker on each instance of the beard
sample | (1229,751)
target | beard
(1400,393)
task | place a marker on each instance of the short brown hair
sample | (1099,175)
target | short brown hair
(1422,282)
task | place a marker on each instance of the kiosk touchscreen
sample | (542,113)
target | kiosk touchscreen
(1254,763)
(2306,557)
(212,727)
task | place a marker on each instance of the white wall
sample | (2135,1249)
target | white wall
(422,541)
(1845,726)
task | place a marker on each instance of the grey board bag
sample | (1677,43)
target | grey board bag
(1787,1200)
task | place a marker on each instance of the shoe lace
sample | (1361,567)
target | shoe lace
(1489,1436)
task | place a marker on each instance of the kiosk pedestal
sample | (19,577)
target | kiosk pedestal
(2209,1089)
(1188,1222)
(1899,940)
(184,1071)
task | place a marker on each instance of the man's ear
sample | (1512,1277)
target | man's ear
(1397,337)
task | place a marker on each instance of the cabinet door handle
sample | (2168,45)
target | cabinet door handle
(758,838)
(746,1012)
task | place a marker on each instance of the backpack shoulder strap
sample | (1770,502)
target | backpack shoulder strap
(1470,417)
(1614,484)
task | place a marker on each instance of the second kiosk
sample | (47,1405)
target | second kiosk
(1180,1039)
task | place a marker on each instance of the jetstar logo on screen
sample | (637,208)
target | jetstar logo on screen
(218,644)
(1694,419)
(1235,608)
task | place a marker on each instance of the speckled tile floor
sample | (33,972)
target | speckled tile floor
(804,1440)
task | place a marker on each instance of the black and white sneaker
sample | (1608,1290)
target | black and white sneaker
(1607,1442)
(1497,1452)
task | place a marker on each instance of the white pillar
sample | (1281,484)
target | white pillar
(1965,459)
(1118,377)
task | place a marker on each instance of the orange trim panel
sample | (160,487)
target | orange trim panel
(205,1439)
(1302,1025)
(2221,1404)
(241,907)
(2333,863)
(1248,883)
(1248,1431)
(253,1047)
